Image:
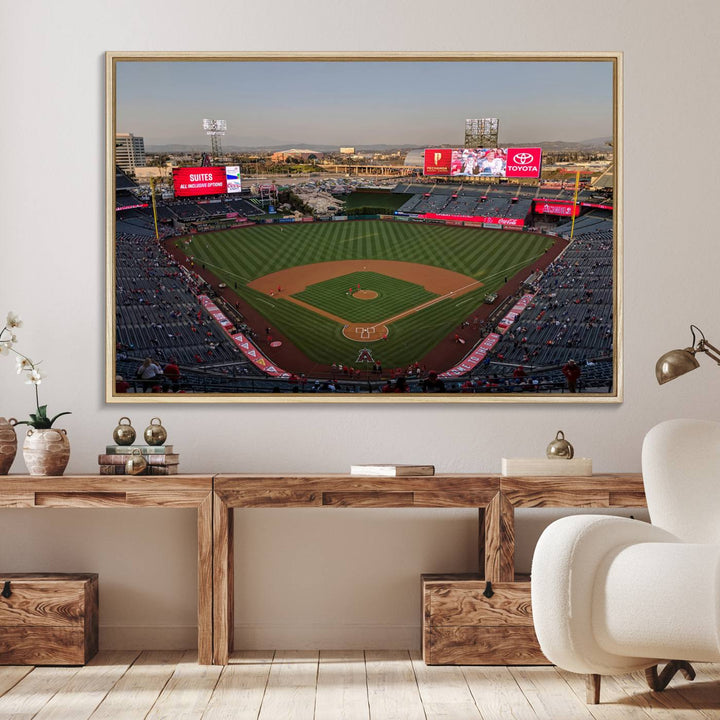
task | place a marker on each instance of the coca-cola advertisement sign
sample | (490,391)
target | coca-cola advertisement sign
(510,222)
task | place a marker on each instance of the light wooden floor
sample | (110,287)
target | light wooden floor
(370,685)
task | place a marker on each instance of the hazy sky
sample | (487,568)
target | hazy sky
(362,103)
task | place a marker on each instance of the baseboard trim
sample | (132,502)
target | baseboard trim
(265,636)
(148,637)
(326,637)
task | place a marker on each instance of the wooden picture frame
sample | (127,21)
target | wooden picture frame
(432,258)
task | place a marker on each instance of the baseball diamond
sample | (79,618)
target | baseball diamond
(402,288)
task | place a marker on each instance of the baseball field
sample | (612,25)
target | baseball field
(332,289)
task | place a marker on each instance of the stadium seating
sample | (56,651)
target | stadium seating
(571,316)
(490,200)
(123,181)
(158,316)
(187,210)
(587,223)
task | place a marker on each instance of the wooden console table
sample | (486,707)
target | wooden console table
(495,497)
(215,497)
(126,491)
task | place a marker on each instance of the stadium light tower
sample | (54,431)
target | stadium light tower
(481,132)
(215,129)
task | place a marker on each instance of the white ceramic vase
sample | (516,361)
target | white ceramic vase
(46,451)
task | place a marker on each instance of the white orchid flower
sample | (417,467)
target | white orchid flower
(29,370)
(13,320)
(35,377)
(23,364)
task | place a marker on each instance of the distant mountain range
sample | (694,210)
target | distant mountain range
(547,145)
(274,148)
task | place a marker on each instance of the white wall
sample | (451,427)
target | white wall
(319,577)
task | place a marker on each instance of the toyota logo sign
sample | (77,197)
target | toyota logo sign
(523,158)
(523,162)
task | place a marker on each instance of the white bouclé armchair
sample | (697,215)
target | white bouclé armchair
(613,595)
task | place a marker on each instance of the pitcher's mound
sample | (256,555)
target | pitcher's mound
(365,294)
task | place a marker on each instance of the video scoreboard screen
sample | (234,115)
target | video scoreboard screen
(484,162)
(215,180)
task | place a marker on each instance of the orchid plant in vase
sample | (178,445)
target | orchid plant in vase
(33,375)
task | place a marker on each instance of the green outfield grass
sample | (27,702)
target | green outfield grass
(394,296)
(386,200)
(241,255)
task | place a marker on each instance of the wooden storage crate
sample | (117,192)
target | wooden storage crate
(48,618)
(461,626)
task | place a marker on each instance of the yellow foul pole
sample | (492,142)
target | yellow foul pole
(152,193)
(572,227)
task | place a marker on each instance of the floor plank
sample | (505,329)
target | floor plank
(188,692)
(712,670)
(347,685)
(392,688)
(666,705)
(139,688)
(444,692)
(548,694)
(88,687)
(11,675)
(342,686)
(615,703)
(290,692)
(240,691)
(251,657)
(703,693)
(34,691)
(699,698)
(497,694)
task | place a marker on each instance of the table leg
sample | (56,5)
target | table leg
(223,581)
(205,579)
(481,541)
(499,519)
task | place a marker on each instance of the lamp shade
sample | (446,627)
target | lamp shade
(675,363)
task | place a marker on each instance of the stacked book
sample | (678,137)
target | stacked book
(160,459)
(392,470)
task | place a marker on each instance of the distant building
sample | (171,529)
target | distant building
(295,154)
(415,158)
(129,152)
(347,150)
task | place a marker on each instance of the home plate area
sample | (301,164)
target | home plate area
(362,332)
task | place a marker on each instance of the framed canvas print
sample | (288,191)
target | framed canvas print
(364,228)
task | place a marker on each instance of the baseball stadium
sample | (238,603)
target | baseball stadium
(475,270)
(270,305)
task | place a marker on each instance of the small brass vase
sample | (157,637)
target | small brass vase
(124,433)
(136,463)
(155,433)
(560,448)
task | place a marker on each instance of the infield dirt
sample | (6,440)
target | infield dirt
(438,281)
(295,279)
